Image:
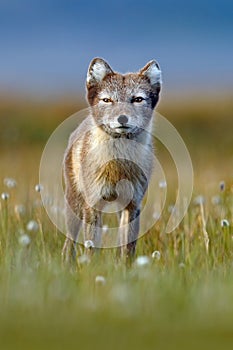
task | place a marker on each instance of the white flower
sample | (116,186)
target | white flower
(225,223)
(100,280)
(215,200)
(156,255)
(156,215)
(89,244)
(105,228)
(162,184)
(199,200)
(38,188)
(171,208)
(9,182)
(5,196)
(20,209)
(24,240)
(84,259)
(142,260)
(55,210)
(32,226)
(48,200)
(181,265)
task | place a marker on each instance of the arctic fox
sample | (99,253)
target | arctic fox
(109,156)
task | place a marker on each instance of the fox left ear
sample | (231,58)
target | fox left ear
(153,72)
(97,71)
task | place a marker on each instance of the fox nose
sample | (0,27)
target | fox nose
(122,119)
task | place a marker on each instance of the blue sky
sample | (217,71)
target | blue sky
(46,46)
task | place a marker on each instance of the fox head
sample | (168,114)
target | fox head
(122,104)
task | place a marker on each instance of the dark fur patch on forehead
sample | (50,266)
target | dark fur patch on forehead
(93,91)
(120,81)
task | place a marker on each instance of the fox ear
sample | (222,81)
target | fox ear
(153,72)
(97,71)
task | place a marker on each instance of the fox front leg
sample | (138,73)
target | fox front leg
(92,227)
(134,225)
(128,232)
(73,224)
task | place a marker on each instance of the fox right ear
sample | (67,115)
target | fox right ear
(97,71)
(153,72)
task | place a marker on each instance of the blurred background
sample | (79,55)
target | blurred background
(46,47)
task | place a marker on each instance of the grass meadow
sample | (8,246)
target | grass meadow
(182,297)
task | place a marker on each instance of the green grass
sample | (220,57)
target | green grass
(183,299)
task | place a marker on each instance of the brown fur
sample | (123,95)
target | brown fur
(100,155)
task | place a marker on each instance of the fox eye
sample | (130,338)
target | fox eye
(106,100)
(137,99)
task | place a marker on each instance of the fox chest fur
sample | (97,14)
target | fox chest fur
(98,163)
